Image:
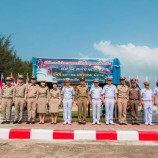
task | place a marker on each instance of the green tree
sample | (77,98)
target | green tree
(10,62)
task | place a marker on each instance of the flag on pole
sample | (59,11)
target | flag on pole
(157,82)
(2,83)
(137,83)
(27,79)
(13,82)
(129,81)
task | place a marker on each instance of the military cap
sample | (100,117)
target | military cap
(67,80)
(21,76)
(122,78)
(34,77)
(82,79)
(8,79)
(96,80)
(147,83)
(133,80)
(109,78)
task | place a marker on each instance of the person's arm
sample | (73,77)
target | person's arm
(116,95)
(103,96)
(73,95)
(14,91)
(37,96)
(48,95)
(26,92)
(1,93)
(90,96)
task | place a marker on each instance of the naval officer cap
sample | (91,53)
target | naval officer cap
(67,80)
(96,80)
(33,77)
(54,80)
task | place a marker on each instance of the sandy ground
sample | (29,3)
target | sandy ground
(77,149)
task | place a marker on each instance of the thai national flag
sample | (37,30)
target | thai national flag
(106,71)
(13,80)
(157,83)
(2,83)
(137,83)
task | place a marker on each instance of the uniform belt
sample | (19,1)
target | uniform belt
(31,97)
(133,99)
(96,98)
(18,97)
(7,97)
(147,100)
(122,97)
(109,97)
(82,97)
(54,98)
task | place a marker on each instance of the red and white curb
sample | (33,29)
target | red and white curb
(47,134)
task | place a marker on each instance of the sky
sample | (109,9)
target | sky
(127,29)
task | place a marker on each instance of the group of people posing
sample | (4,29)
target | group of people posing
(38,99)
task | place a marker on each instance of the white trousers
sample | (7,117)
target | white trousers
(109,109)
(148,110)
(67,110)
(96,105)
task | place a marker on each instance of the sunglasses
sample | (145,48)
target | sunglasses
(20,78)
(8,81)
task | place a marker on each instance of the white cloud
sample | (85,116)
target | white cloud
(135,60)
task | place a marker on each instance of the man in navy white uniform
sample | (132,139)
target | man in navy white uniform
(147,102)
(67,94)
(156,94)
(95,101)
(109,97)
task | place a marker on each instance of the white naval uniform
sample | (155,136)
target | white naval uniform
(147,96)
(68,93)
(95,93)
(156,94)
(109,92)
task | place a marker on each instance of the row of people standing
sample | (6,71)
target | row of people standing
(39,97)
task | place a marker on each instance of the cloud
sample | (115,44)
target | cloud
(135,60)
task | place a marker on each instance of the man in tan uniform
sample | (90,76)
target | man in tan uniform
(7,100)
(82,100)
(19,99)
(123,97)
(31,97)
(134,101)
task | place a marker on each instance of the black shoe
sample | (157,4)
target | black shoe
(33,122)
(52,123)
(40,122)
(20,122)
(121,123)
(15,122)
(3,122)
(124,123)
(133,123)
(8,122)
(79,122)
(84,122)
(28,122)
(136,123)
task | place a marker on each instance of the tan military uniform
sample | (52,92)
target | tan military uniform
(54,101)
(19,96)
(42,99)
(123,97)
(134,99)
(31,96)
(7,98)
(82,98)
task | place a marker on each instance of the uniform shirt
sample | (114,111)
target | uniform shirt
(43,92)
(82,91)
(68,92)
(55,94)
(147,94)
(19,90)
(95,92)
(123,91)
(7,92)
(31,91)
(109,91)
(134,93)
(156,92)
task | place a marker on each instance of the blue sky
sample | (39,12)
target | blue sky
(79,28)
